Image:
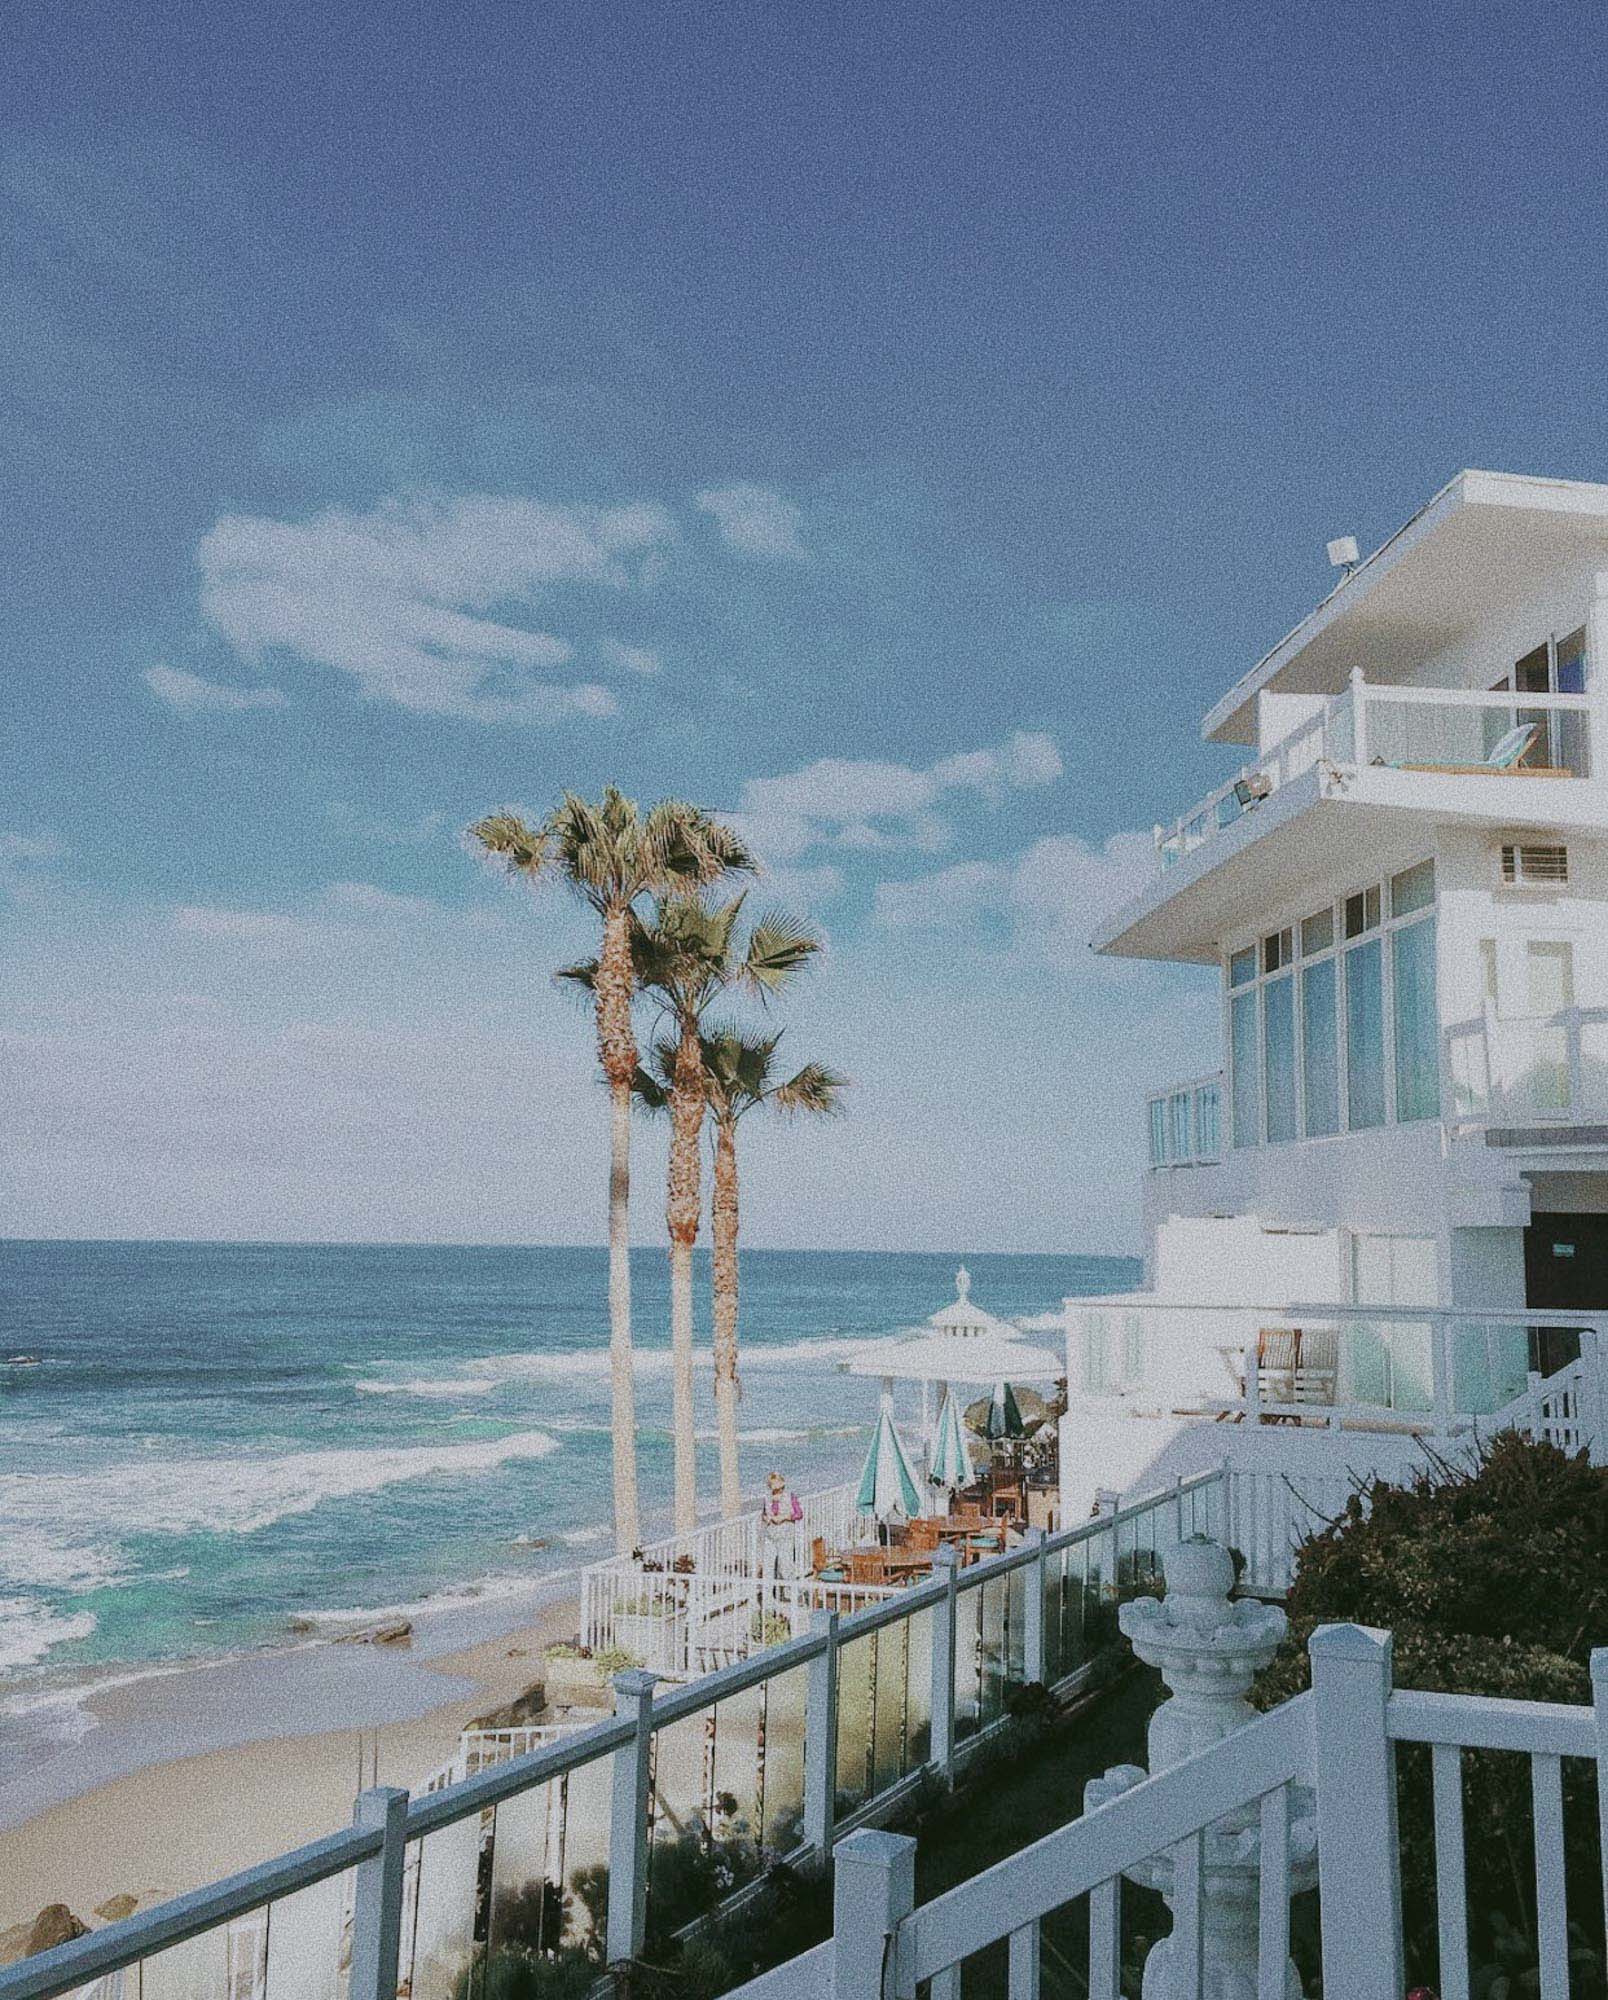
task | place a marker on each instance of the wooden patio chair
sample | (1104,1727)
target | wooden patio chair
(1317,1368)
(818,1555)
(1278,1362)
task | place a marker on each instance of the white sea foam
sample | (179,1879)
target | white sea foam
(824,1352)
(587,1537)
(451,1386)
(64,1529)
(30,1629)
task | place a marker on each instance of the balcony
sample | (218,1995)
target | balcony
(1185,1124)
(1445,732)
(1540,1075)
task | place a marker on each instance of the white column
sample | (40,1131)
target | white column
(1354,1772)
(821,1737)
(628,1820)
(873,1891)
(946,1570)
(377,1917)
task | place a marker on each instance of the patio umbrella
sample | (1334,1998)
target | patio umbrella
(888,1484)
(1004,1418)
(951,1462)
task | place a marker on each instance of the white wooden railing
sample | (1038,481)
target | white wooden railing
(778,1755)
(1438,1370)
(1375,723)
(1328,1754)
(1532,1069)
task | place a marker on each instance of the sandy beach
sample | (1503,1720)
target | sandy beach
(162,1827)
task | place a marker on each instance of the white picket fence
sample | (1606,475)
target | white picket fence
(1328,1754)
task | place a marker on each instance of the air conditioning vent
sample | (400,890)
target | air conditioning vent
(1529,865)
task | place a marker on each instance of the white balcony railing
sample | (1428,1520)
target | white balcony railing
(1537,1069)
(1185,1123)
(1433,1370)
(1405,728)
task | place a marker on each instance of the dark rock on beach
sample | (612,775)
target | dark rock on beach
(394,1632)
(513,1714)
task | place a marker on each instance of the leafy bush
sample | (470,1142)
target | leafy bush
(1493,1581)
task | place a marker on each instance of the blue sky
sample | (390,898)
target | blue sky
(896,424)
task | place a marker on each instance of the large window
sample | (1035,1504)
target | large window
(1333,1022)
(1412,980)
(1278,1041)
(1247,1081)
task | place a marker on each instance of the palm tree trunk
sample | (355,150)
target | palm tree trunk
(617,1052)
(683,1200)
(724,1222)
(627,1529)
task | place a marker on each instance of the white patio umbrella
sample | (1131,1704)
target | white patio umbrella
(950,1462)
(888,1487)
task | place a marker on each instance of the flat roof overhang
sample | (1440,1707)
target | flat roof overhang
(1482,545)
(1329,815)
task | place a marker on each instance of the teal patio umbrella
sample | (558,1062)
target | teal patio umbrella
(888,1486)
(950,1460)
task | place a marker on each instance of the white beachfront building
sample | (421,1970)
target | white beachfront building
(1404,893)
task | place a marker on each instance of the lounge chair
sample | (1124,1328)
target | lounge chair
(1503,760)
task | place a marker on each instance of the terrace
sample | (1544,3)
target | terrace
(696,1602)
(1402,733)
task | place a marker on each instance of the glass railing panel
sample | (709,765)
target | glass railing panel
(890,1673)
(1054,1601)
(683,1798)
(739,1724)
(1387,1364)
(992,1661)
(854,1723)
(918,1690)
(307,1942)
(587,1802)
(1017,1585)
(968,1662)
(527,1903)
(1490,1365)
(781,1791)
(201,1968)
(446,1879)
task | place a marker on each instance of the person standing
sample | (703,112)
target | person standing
(779,1526)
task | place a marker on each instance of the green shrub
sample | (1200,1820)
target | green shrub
(1493,1581)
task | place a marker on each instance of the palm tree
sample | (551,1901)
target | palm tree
(611,854)
(687,957)
(739,1075)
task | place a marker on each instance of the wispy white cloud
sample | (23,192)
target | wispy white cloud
(382,828)
(28,863)
(1051,896)
(183,690)
(340,907)
(417,600)
(633,659)
(755,521)
(868,803)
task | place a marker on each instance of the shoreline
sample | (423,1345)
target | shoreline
(219,1758)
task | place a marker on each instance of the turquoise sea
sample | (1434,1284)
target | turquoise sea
(209,1441)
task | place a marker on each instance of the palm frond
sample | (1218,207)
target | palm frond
(507,837)
(779,946)
(815,1090)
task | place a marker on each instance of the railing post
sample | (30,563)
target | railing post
(1359,719)
(820,1737)
(628,1819)
(1250,1362)
(1033,1667)
(1354,1775)
(1440,1363)
(377,1916)
(1599,1701)
(873,1891)
(945,1570)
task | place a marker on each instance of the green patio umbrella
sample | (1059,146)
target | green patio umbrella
(1004,1419)
(950,1460)
(888,1486)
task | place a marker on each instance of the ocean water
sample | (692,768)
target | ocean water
(218,1440)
